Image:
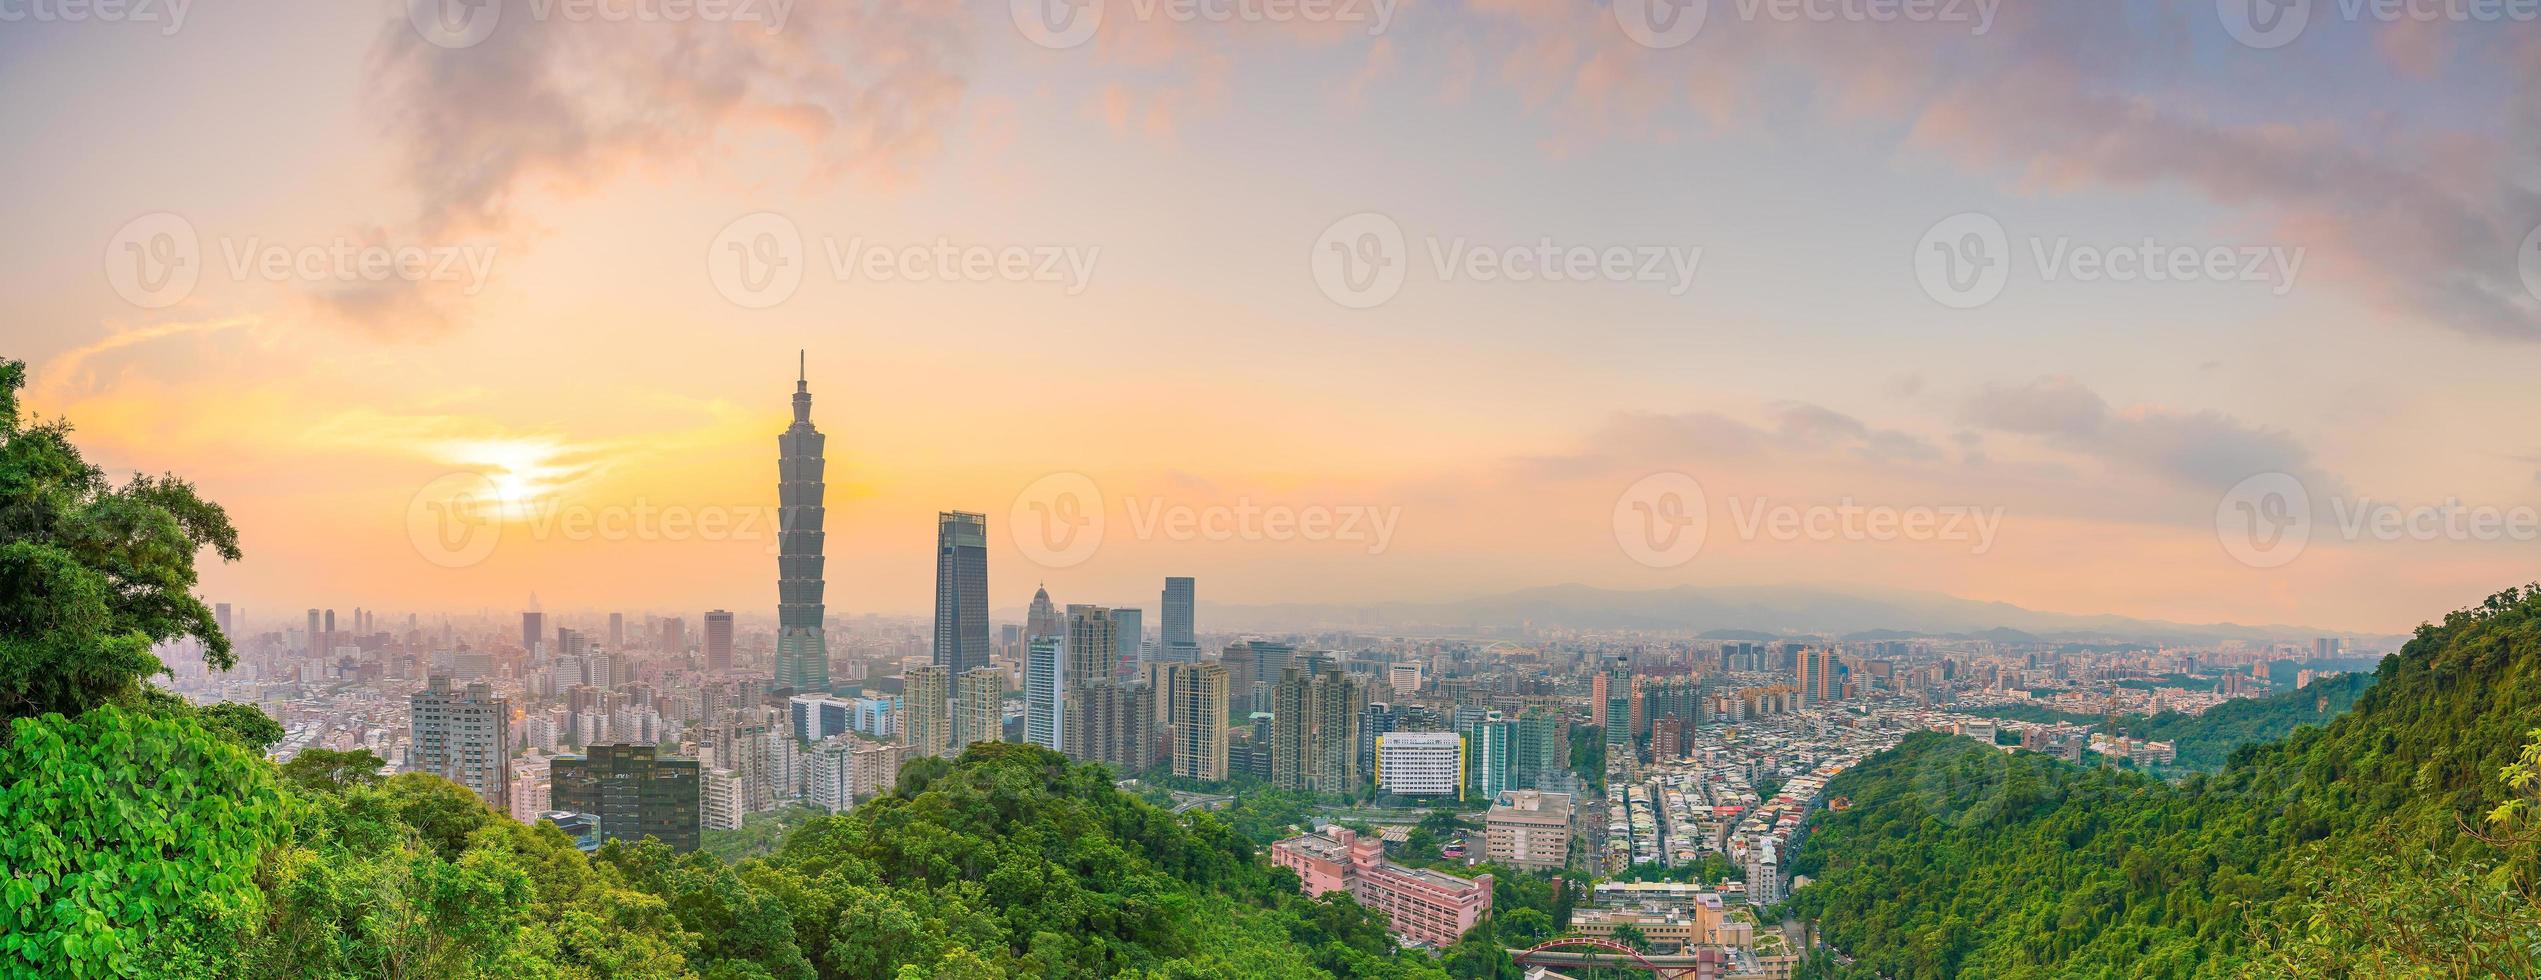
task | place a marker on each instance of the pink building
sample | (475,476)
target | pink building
(1419,905)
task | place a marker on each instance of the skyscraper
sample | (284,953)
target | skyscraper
(1043,619)
(926,722)
(617,631)
(961,591)
(719,642)
(979,715)
(1179,644)
(1045,692)
(1315,730)
(1088,663)
(1129,629)
(802,649)
(1196,710)
(314,636)
(464,736)
(533,629)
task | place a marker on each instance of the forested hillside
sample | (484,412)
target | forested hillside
(2206,740)
(2390,843)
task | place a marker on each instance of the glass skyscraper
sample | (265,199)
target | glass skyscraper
(802,650)
(961,591)
(1179,643)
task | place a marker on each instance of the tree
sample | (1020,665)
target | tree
(92,575)
(329,771)
(128,839)
(1633,936)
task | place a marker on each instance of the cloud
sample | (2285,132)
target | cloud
(2203,450)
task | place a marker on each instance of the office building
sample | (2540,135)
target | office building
(464,736)
(1043,618)
(634,794)
(1423,907)
(1179,642)
(961,591)
(979,702)
(533,629)
(1490,750)
(1196,713)
(719,641)
(926,722)
(802,645)
(1421,764)
(1129,630)
(1529,829)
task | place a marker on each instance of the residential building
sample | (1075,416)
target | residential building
(927,710)
(1045,692)
(1529,829)
(464,736)
(979,702)
(1196,712)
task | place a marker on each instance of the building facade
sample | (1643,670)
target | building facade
(1045,692)
(635,794)
(1529,829)
(463,735)
(802,645)
(1196,713)
(979,707)
(926,723)
(1421,764)
(961,591)
(1421,906)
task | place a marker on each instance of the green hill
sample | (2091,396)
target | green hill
(2365,848)
(2206,741)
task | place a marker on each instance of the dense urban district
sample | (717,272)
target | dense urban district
(199,789)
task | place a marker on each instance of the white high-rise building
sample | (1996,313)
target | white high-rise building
(979,707)
(530,786)
(719,801)
(1420,763)
(1045,692)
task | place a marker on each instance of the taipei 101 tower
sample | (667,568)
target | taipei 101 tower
(802,651)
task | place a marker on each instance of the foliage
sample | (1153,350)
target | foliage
(2342,848)
(759,835)
(128,838)
(329,770)
(92,575)
(2205,741)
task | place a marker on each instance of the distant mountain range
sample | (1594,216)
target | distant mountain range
(1759,613)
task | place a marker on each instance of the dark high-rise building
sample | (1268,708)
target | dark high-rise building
(961,591)
(719,642)
(314,635)
(617,631)
(1179,644)
(802,649)
(634,794)
(533,629)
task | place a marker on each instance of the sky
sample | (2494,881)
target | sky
(2197,311)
